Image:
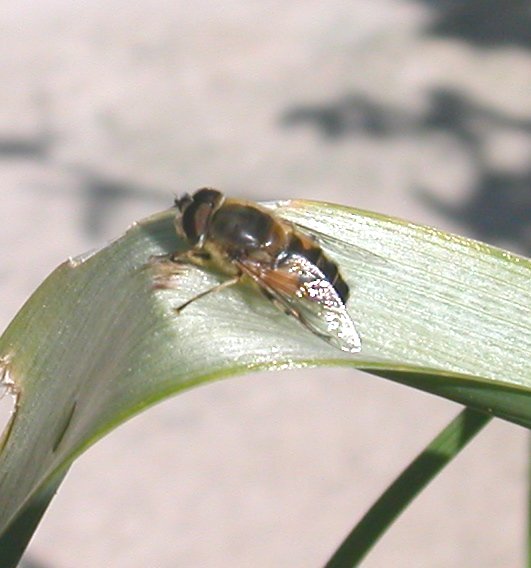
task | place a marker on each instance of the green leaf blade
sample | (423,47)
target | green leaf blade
(96,343)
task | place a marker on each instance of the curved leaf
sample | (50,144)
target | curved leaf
(96,343)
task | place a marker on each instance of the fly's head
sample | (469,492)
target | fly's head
(192,221)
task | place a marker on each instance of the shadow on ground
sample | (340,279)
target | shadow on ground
(483,23)
(33,148)
(498,206)
(101,196)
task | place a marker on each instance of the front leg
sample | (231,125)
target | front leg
(166,267)
(196,256)
(216,288)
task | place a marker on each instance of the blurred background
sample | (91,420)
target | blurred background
(414,108)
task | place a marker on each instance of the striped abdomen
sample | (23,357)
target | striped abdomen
(310,249)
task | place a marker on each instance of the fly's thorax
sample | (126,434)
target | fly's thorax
(244,229)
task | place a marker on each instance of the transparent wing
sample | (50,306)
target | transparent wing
(334,243)
(300,289)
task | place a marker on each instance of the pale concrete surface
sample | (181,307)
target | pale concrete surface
(416,109)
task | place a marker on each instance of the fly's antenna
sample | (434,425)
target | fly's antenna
(182,202)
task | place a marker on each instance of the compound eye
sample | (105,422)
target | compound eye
(209,196)
(196,213)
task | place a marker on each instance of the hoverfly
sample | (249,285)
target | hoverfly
(246,241)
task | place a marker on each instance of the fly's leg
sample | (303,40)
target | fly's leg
(167,266)
(216,288)
(190,256)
